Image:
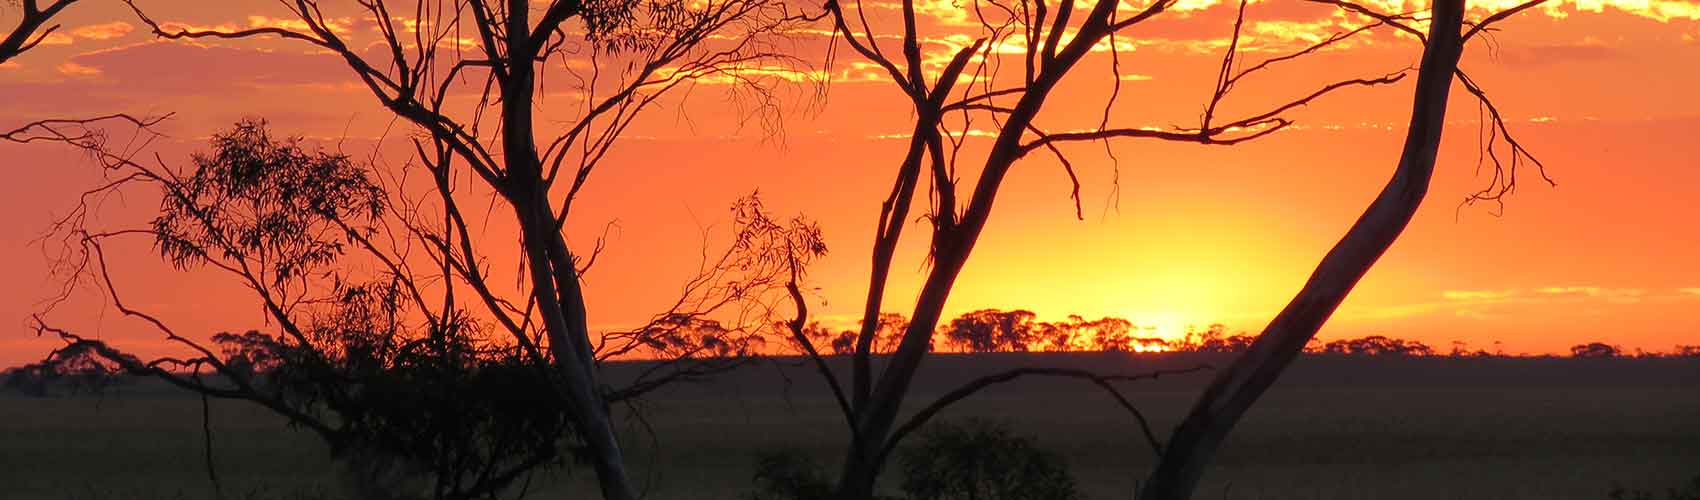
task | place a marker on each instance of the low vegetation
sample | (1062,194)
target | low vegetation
(973,459)
(1688,491)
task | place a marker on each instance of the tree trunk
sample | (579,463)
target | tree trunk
(563,320)
(1232,392)
(554,281)
(953,242)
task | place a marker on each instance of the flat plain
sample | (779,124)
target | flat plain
(1332,428)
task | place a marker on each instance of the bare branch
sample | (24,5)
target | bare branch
(1105,382)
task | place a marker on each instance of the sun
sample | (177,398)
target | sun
(1170,326)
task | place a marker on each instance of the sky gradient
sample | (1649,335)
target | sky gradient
(1172,235)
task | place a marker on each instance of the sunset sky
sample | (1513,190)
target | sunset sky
(1173,234)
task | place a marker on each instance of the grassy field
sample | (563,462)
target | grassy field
(1332,428)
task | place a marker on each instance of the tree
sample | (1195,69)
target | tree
(389,367)
(1595,350)
(1046,41)
(35,24)
(991,330)
(426,71)
(1235,389)
(1215,339)
(1377,345)
(33,27)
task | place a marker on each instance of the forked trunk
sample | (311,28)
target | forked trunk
(561,303)
(1235,389)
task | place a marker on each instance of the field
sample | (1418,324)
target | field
(1332,428)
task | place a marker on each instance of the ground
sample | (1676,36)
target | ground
(1332,428)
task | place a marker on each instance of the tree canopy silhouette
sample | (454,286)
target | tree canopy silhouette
(389,364)
(475,107)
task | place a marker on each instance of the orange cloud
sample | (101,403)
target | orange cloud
(57,39)
(1474,295)
(104,31)
(74,69)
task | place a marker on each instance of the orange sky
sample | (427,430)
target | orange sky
(1601,91)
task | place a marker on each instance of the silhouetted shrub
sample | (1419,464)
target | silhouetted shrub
(1689,491)
(789,474)
(982,460)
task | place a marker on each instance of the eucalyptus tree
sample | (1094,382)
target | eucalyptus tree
(468,75)
(1222,403)
(995,85)
(972,86)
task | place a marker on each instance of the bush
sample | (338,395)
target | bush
(789,475)
(982,460)
(1690,491)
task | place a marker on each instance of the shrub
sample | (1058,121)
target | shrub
(789,474)
(1690,491)
(982,460)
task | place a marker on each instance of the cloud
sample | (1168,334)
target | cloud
(1612,295)
(58,39)
(176,68)
(1486,304)
(1478,295)
(105,31)
(1689,291)
(1592,291)
(77,70)
(96,32)
(1588,49)
(1663,11)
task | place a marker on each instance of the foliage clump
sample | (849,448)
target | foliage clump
(1689,491)
(982,460)
(789,474)
(1595,350)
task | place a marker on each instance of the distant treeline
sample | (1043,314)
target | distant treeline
(985,330)
(994,330)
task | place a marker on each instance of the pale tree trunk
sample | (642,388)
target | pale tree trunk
(1234,390)
(561,304)
(554,281)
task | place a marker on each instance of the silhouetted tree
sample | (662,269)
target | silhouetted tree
(389,363)
(35,23)
(1595,350)
(468,75)
(1215,339)
(991,330)
(1377,345)
(1109,334)
(76,367)
(1687,350)
(1077,333)
(1234,390)
(997,84)
(33,26)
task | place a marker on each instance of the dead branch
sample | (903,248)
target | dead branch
(1105,382)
